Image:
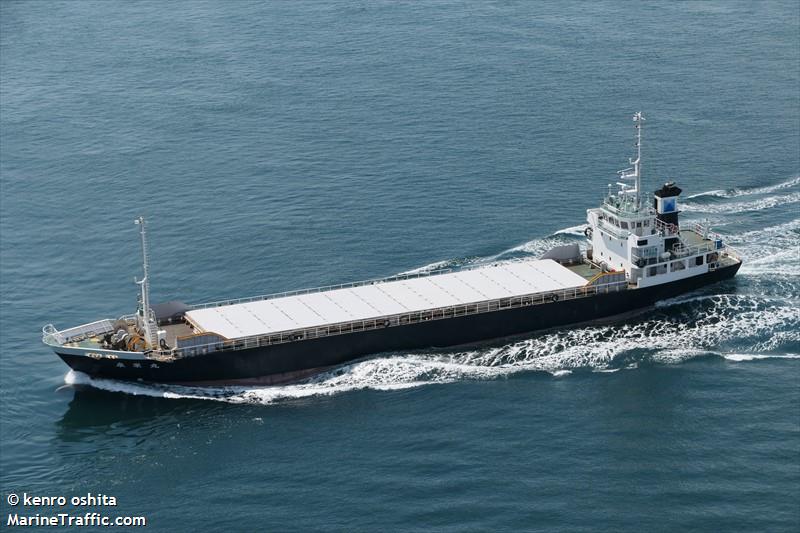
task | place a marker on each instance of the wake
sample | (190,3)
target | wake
(759,204)
(532,248)
(746,191)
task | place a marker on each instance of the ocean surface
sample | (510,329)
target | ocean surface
(282,145)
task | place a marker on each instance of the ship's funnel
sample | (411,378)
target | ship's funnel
(666,203)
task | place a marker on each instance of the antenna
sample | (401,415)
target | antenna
(638,120)
(635,172)
(144,283)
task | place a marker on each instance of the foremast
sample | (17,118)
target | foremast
(145,317)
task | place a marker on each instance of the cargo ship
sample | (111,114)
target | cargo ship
(636,254)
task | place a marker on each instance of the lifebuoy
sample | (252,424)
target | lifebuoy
(588,232)
(554,298)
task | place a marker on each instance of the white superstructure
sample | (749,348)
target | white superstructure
(647,242)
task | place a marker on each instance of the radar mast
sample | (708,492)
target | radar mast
(635,172)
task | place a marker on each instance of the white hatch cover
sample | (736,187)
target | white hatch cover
(500,280)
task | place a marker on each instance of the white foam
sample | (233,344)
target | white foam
(718,193)
(778,230)
(572,230)
(534,247)
(772,251)
(79,378)
(756,356)
(683,299)
(747,191)
(431,267)
(759,204)
(75,378)
(780,264)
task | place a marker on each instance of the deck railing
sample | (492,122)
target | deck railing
(625,206)
(50,335)
(614,230)
(680,250)
(665,228)
(390,321)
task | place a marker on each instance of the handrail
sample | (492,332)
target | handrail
(610,228)
(681,250)
(665,228)
(49,331)
(86,330)
(281,337)
(704,231)
(733,252)
(712,245)
(614,275)
(647,252)
(700,229)
(625,206)
(97,327)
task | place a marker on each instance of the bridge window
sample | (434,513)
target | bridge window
(698,260)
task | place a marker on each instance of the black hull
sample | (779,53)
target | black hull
(291,361)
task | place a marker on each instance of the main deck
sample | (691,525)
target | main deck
(374,300)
